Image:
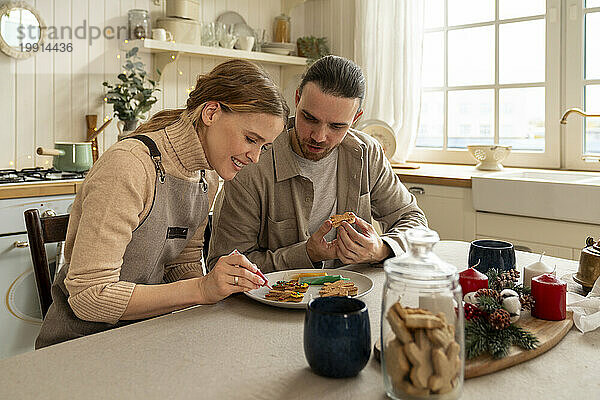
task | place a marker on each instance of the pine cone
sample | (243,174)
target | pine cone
(500,319)
(490,293)
(508,279)
(472,311)
(527,301)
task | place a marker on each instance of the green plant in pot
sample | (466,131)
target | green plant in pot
(133,94)
(312,48)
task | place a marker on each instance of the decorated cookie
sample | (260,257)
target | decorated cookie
(337,220)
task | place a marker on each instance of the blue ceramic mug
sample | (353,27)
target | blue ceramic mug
(337,336)
(488,253)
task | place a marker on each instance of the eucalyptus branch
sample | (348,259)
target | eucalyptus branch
(132,96)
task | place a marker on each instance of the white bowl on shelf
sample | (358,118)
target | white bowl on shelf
(490,157)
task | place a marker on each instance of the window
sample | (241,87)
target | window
(582,76)
(491,75)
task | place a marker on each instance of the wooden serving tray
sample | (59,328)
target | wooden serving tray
(549,333)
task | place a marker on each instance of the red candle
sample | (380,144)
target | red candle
(550,296)
(471,280)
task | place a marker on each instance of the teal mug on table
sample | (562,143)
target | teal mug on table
(69,156)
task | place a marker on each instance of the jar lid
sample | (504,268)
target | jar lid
(420,263)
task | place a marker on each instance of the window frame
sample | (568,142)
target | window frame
(550,158)
(573,131)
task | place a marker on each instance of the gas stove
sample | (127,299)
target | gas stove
(38,174)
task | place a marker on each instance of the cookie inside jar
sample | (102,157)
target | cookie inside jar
(422,323)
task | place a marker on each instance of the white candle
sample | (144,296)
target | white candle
(535,269)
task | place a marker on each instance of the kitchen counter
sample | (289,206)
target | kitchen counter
(239,348)
(19,190)
(449,174)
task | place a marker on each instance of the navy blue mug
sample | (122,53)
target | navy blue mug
(337,336)
(487,253)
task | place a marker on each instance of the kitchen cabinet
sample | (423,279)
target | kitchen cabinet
(20,315)
(557,238)
(449,210)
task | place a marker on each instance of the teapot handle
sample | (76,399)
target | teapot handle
(589,241)
(49,152)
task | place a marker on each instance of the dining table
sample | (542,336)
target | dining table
(242,349)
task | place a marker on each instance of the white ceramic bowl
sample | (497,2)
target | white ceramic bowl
(490,157)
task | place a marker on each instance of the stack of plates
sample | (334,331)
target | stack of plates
(283,49)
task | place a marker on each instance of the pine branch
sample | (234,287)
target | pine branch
(475,337)
(488,304)
(521,290)
(522,338)
(499,343)
(481,337)
(492,275)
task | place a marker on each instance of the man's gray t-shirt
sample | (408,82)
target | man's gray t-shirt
(323,175)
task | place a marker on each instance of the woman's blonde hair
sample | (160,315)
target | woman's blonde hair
(238,85)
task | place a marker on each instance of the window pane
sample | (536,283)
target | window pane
(431,128)
(462,12)
(522,114)
(520,8)
(592,52)
(434,14)
(592,3)
(522,52)
(470,117)
(471,56)
(433,59)
(592,125)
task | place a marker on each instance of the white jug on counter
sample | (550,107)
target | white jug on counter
(126,128)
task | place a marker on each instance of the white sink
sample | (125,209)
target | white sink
(562,195)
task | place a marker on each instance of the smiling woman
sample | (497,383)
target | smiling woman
(135,237)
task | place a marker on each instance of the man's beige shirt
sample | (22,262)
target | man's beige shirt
(263,212)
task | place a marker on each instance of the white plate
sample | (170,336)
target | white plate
(362,282)
(230,18)
(275,50)
(241,29)
(289,46)
(382,132)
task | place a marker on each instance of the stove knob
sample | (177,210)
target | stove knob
(21,244)
(49,213)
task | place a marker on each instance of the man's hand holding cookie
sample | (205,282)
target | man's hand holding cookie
(318,248)
(355,247)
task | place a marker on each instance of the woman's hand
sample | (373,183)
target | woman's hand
(232,274)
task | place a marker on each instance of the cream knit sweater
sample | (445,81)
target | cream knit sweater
(115,197)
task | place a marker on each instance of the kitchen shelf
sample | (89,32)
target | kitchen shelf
(167,52)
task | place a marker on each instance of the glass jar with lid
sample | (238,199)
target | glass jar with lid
(282,29)
(139,24)
(422,323)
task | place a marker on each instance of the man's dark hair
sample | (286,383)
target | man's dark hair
(336,76)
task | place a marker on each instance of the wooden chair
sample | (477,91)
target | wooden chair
(43,230)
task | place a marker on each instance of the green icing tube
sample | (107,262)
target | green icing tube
(319,280)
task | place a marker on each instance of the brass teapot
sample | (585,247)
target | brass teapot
(589,265)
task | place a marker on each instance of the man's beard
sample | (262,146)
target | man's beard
(307,153)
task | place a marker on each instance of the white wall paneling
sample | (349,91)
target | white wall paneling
(45,98)
(333,19)
(62,103)
(8,106)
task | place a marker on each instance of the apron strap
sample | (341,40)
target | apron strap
(154,153)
